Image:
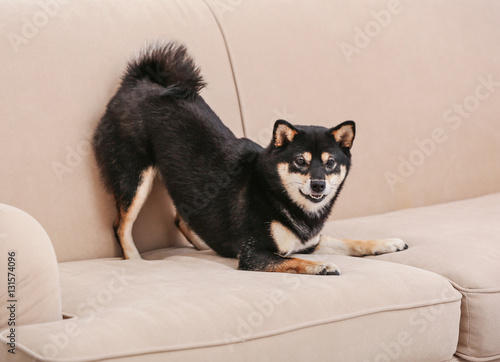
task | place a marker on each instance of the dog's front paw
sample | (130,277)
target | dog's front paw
(384,246)
(324,268)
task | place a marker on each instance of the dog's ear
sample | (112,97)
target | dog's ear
(283,133)
(344,134)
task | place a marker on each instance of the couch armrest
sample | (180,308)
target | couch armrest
(33,270)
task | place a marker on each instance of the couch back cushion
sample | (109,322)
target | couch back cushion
(420,78)
(61,62)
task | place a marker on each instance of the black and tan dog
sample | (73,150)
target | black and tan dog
(243,201)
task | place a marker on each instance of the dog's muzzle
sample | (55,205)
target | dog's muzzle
(313,196)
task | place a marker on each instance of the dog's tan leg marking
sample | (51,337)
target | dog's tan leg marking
(126,218)
(301,266)
(189,234)
(329,245)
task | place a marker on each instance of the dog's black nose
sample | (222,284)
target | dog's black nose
(318,185)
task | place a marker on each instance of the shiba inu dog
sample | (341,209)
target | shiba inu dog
(259,205)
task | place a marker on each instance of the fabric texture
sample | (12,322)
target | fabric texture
(183,304)
(459,240)
(34,295)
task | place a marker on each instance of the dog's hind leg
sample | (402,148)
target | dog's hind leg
(329,245)
(128,209)
(189,234)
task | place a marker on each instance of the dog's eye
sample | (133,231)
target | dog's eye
(300,161)
(330,163)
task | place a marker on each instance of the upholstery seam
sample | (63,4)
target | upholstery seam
(470,290)
(29,351)
(224,39)
(478,359)
(468,322)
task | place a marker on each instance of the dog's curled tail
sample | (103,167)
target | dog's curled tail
(170,66)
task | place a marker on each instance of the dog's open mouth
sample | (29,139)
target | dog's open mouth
(314,197)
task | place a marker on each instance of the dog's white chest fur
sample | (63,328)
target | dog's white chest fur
(287,242)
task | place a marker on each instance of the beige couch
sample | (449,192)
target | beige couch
(422,81)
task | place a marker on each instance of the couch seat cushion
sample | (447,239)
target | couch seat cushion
(459,240)
(184,304)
